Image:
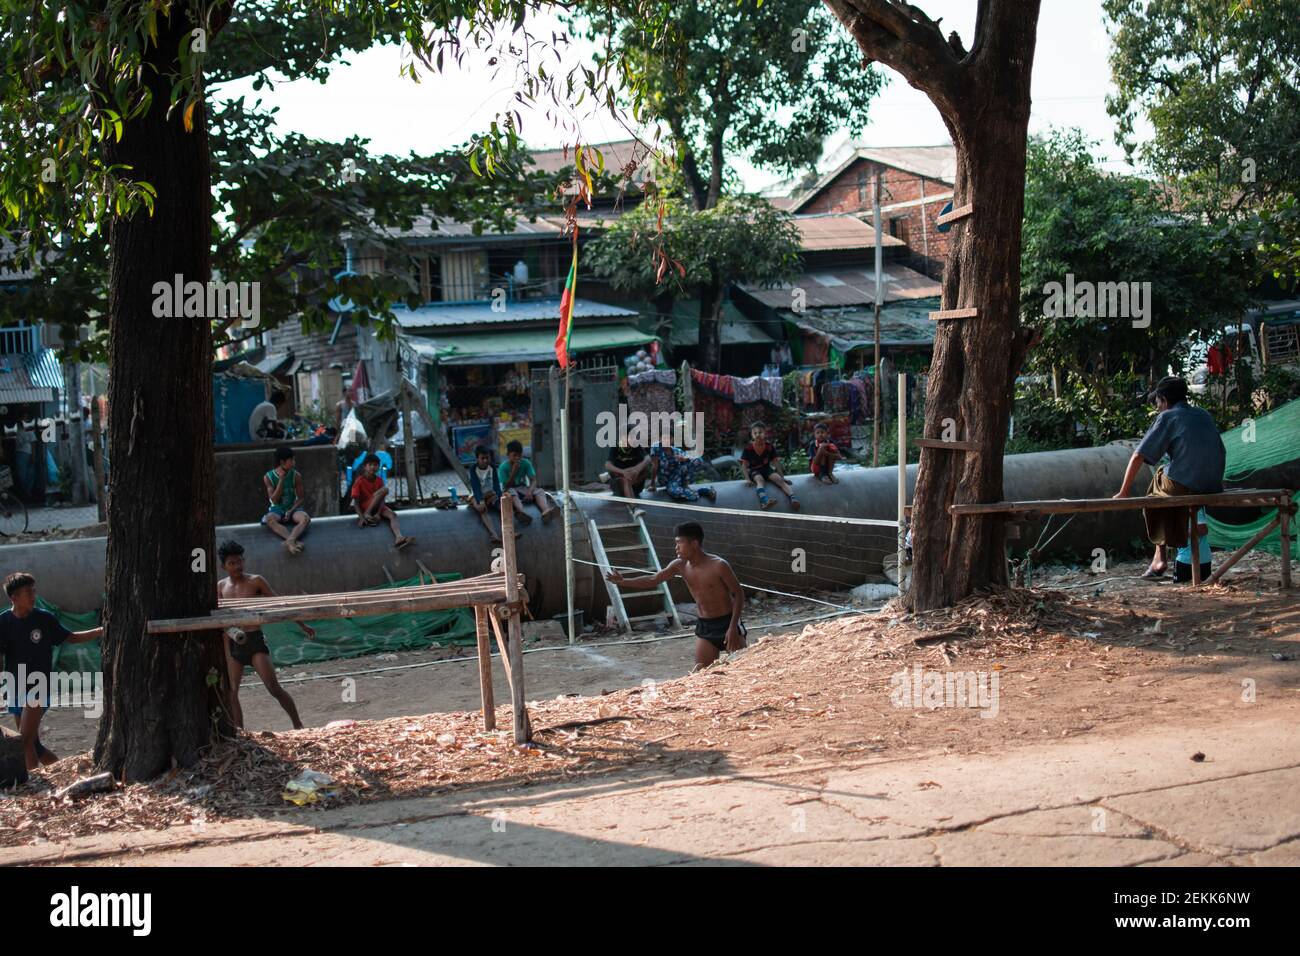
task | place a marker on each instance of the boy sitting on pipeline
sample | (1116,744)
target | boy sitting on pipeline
(368,500)
(519,479)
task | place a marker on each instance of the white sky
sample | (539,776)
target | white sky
(367,97)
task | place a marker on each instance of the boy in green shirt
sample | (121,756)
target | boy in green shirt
(519,478)
(285,516)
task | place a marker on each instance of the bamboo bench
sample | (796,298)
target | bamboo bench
(495,597)
(1243,498)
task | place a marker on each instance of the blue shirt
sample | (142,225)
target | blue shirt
(1191,439)
(1185,552)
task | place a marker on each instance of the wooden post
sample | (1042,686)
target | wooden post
(1241,552)
(1284,518)
(99,457)
(515,631)
(485,667)
(1196,552)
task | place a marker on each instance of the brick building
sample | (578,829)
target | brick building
(917,182)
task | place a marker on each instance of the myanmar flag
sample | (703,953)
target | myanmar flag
(566,309)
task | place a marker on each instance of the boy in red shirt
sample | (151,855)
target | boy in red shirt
(822,453)
(368,494)
(760,464)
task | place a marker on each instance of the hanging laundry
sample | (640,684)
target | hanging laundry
(660,376)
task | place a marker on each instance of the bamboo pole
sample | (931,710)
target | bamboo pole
(1240,499)
(485,666)
(1241,552)
(879,294)
(523,732)
(258,617)
(902,475)
(568,509)
(492,582)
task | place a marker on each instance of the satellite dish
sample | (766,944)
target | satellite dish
(339,303)
(943,212)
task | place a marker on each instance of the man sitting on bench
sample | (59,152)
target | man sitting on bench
(1196,458)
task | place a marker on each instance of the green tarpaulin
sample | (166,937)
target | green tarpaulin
(1265,442)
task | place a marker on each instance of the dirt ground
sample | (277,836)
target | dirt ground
(1080,656)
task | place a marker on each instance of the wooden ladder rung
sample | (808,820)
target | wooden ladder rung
(628,547)
(649,617)
(961,212)
(954,314)
(946,445)
(618,527)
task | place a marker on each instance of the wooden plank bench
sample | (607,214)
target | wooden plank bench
(1279,498)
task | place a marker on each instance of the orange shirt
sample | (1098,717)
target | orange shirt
(364,490)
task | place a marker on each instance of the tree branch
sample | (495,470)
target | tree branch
(906,40)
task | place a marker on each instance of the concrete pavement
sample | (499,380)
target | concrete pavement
(1135,798)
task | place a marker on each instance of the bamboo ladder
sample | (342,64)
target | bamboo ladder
(642,546)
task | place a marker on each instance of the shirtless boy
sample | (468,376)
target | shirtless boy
(718,595)
(249,647)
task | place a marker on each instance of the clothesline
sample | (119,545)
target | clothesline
(742,391)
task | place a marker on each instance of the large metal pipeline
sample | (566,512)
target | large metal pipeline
(764,550)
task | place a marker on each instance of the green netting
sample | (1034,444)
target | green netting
(1265,442)
(335,638)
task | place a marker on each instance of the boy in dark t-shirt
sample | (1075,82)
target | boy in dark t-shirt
(822,453)
(28,636)
(760,464)
(629,468)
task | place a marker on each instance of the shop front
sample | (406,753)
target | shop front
(479,386)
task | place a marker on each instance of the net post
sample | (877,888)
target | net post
(902,475)
(1284,519)
(514,629)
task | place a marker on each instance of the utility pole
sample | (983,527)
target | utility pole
(875,405)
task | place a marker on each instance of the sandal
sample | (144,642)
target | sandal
(403,541)
(1151,574)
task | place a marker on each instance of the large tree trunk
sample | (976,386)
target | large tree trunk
(983,97)
(164,692)
(711,301)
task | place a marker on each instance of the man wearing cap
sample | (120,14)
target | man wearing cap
(1196,456)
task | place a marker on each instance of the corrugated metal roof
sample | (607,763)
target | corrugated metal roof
(521,345)
(848,329)
(439,316)
(30,376)
(820,233)
(847,287)
(737,329)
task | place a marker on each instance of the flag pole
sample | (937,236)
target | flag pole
(566,330)
(568,504)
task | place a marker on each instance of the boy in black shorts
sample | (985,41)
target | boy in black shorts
(28,636)
(822,453)
(248,648)
(718,595)
(629,468)
(759,464)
